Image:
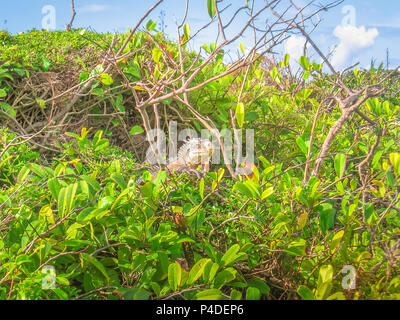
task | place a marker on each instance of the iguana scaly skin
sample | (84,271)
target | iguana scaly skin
(193,157)
(194,154)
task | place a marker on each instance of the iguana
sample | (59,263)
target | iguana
(193,157)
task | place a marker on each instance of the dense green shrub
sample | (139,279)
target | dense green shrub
(266,236)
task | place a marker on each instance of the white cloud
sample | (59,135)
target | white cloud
(294,46)
(95,8)
(352,40)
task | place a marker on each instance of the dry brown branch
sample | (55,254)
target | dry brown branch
(69,25)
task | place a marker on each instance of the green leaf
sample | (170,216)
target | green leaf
(302,220)
(375,160)
(225,276)
(353,184)
(267,192)
(395,161)
(212,46)
(41,103)
(251,116)
(324,283)
(83,76)
(23,174)
(21,259)
(156,54)
(201,188)
(327,216)
(275,75)
(305,293)
(337,296)
(220,174)
(186,31)
(136,130)
(99,69)
(210,270)
(46,213)
(241,47)
(297,248)
(340,164)
(8,109)
(134,294)
(37,169)
(209,294)
(174,275)
(236,295)
(369,213)
(106,79)
(253,294)
(304,62)
(92,183)
(61,294)
(105,202)
(197,270)
(54,187)
(286,59)
(337,238)
(66,199)
(95,263)
(151,25)
(247,188)
(133,70)
(211,8)
(260,285)
(97,92)
(230,255)
(240,114)
(138,40)
(76,244)
(46,64)
(119,179)
(207,48)
(302,145)
(3,93)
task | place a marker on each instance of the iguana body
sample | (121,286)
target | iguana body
(193,157)
(194,154)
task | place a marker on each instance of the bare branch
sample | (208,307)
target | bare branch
(69,25)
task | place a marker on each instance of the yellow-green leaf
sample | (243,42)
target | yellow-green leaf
(211,8)
(106,79)
(267,192)
(230,255)
(240,114)
(197,270)
(95,263)
(186,31)
(395,161)
(209,294)
(302,220)
(201,188)
(174,275)
(47,214)
(337,238)
(66,199)
(241,47)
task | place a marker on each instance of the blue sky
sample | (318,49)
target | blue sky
(376,26)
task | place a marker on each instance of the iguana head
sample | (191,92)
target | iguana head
(196,152)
